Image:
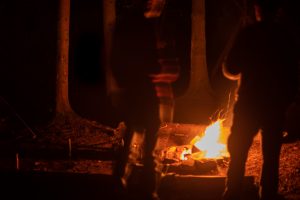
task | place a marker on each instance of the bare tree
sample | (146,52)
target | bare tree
(64,114)
(199,94)
(62,87)
(109,19)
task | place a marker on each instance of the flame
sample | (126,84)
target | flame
(210,144)
(186,151)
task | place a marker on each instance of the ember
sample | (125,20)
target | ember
(186,151)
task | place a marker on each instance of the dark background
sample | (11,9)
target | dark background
(28,57)
(28,38)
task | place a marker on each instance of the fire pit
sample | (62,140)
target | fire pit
(188,149)
(191,162)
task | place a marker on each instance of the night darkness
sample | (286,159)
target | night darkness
(28,60)
(28,53)
(28,57)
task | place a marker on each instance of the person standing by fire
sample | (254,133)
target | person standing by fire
(134,62)
(265,58)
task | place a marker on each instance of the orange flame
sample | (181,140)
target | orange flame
(210,144)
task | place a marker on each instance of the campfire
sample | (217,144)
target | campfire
(211,144)
(190,153)
(191,161)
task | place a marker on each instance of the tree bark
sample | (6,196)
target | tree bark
(199,75)
(197,104)
(62,97)
(109,19)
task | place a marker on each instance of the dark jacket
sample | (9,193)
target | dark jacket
(266,56)
(134,54)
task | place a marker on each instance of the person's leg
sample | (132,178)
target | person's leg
(149,178)
(121,155)
(144,116)
(271,145)
(151,124)
(243,130)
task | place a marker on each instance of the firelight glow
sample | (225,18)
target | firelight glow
(210,143)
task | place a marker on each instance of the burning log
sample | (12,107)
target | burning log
(176,153)
(193,166)
(181,160)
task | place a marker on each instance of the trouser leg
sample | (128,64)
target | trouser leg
(239,142)
(149,176)
(271,145)
(238,147)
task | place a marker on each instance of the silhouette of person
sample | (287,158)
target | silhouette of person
(265,58)
(134,62)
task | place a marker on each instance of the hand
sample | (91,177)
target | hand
(154,8)
(164,77)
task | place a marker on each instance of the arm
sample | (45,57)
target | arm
(235,60)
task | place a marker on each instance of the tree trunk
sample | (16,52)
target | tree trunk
(109,19)
(197,104)
(62,97)
(199,75)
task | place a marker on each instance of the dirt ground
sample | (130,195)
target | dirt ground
(289,184)
(86,137)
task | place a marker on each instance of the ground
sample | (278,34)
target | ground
(81,146)
(289,184)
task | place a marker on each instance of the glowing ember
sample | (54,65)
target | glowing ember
(210,144)
(186,151)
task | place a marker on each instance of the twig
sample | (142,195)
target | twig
(17,162)
(19,117)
